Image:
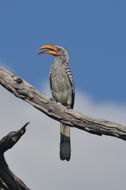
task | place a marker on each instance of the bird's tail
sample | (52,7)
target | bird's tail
(65,147)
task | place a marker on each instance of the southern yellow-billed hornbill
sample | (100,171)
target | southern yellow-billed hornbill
(62,88)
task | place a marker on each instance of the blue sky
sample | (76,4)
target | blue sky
(94,32)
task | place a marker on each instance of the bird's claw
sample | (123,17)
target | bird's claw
(68,106)
(52,99)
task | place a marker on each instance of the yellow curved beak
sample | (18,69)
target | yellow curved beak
(52,49)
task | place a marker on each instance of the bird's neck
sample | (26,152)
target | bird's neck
(61,60)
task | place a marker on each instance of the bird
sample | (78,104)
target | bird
(63,90)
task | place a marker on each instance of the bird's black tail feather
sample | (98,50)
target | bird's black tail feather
(65,146)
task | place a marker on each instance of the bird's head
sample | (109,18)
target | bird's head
(58,51)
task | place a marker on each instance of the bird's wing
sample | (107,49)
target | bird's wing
(50,79)
(70,76)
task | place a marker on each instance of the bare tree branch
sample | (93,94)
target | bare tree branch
(27,92)
(8,181)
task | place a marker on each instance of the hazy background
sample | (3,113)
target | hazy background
(94,32)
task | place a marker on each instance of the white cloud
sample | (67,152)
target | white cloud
(96,163)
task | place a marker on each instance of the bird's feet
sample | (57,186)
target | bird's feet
(68,106)
(52,99)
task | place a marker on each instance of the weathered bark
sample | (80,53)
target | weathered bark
(27,92)
(8,181)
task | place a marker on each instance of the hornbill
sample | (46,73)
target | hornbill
(62,88)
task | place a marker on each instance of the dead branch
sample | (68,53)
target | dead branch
(8,181)
(27,92)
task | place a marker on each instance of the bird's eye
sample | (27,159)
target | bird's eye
(58,49)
